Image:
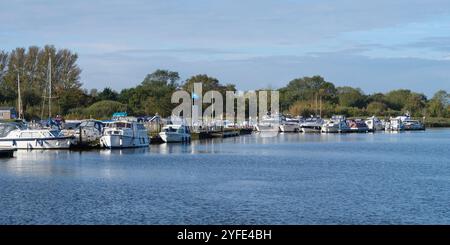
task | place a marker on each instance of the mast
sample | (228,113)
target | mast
(19,103)
(320,106)
(49,76)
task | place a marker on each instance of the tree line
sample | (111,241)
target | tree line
(302,96)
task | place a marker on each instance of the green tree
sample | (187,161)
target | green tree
(351,97)
(396,99)
(153,95)
(439,104)
(307,89)
(31,66)
(108,94)
(415,104)
(376,108)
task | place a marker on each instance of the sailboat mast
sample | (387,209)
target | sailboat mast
(19,104)
(49,87)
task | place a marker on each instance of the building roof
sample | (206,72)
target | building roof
(6,108)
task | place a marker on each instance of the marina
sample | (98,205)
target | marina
(377,178)
(124,131)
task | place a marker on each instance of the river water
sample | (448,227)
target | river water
(382,178)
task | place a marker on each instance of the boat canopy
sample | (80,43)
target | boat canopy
(6,128)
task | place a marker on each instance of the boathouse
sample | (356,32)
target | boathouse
(7,113)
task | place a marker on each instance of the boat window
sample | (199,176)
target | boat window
(5,129)
(170,129)
(98,126)
(25,135)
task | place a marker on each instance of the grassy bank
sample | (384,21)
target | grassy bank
(437,122)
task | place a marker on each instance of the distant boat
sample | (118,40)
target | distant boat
(175,133)
(394,124)
(88,133)
(413,125)
(337,124)
(312,125)
(290,125)
(124,133)
(410,124)
(19,136)
(269,124)
(358,126)
(374,124)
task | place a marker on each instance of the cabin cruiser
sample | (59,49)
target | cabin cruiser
(394,124)
(312,125)
(19,136)
(290,125)
(337,124)
(88,133)
(175,133)
(374,124)
(124,133)
(410,125)
(358,126)
(269,124)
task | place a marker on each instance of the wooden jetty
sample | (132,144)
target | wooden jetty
(7,152)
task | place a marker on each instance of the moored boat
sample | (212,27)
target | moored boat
(312,125)
(374,124)
(18,136)
(124,133)
(175,133)
(357,126)
(394,124)
(337,124)
(290,125)
(269,124)
(88,133)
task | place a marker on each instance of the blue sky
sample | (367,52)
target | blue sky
(375,45)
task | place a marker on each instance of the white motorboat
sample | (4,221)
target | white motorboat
(290,125)
(124,133)
(337,124)
(412,125)
(18,136)
(175,133)
(269,124)
(88,133)
(374,124)
(312,125)
(394,124)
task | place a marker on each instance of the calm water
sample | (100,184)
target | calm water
(291,179)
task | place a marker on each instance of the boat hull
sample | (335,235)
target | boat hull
(45,143)
(121,141)
(290,128)
(174,137)
(315,129)
(267,128)
(334,130)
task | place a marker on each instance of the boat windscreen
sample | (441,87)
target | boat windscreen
(5,129)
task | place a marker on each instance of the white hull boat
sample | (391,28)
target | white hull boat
(336,124)
(374,124)
(175,133)
(124,134)
(312,125)
(290,127)
(15,136)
